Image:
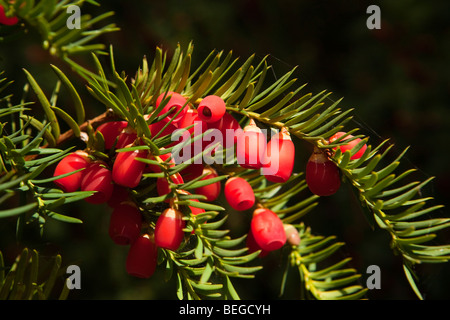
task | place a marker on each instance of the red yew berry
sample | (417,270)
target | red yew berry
(212,190)
(280,157)
(127,137)
(125,224)
(9,21)
(350,145)
(239,193)
(162,185)
(211,108)
(119,195)
(229,128)
(142,257)
(176,102)
(96,177)
(292,236)
(322,175)
(169,229)
(192,117)
(70,163)
(192,171)
(165,158)
(127,170)
(253,246)
(193,133)
(111,131)
(194,210)
(251,146)
(156,127)
(267,229)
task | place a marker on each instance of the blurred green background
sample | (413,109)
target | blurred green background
(397,79)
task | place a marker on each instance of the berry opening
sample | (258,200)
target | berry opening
(207,112)
(245,204)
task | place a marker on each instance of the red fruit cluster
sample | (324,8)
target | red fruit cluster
(79,172)
(67,166)
(112,178)
(275,158)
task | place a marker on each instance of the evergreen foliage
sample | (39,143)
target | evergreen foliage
(210,258)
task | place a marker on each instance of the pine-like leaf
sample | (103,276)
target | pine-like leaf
(322,280)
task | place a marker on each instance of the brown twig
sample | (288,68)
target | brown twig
(106,116)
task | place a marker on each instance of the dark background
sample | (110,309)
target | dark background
(396,78)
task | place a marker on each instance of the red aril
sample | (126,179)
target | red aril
(162,185)
(229,128)
(194,210)
(125,224)
(267,229)
(195,128)
(111,131)
(239,193)
(322,175)
(169,229)
(126,137)
(252,246)
(96,177)
(251,146)
(212,190)
(8,21)
(142,257)
(279,158)
(119,195)
(192,171)
(166,161)
(70,163)
(160,130)
(175,102)
(211,108)
(349,146)
(127,170)
(192,118)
